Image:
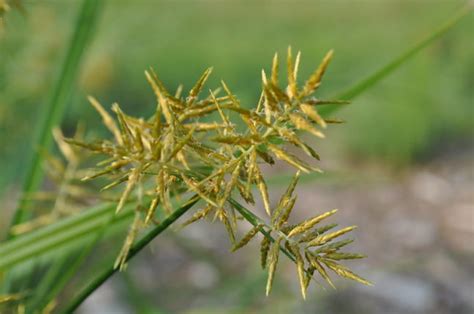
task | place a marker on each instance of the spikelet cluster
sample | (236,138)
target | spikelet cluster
(314,248)
(178,150)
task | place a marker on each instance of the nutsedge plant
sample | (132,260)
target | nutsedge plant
(151,164)
(177,151)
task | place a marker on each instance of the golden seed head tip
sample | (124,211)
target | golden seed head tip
(116,107)
(264,77)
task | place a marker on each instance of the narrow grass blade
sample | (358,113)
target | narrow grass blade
(361,86)
(63,235)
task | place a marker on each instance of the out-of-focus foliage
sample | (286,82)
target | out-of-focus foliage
(426,103)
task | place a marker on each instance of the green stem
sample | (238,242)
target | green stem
(55,107)
(137,247)
(255,221)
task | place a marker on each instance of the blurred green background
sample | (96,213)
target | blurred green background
(423,111)
(424,108)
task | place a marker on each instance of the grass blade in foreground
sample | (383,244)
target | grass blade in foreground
(59,236)
(56,104)
(64,269)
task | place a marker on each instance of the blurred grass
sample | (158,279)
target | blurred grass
(52,113)
(424,105)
